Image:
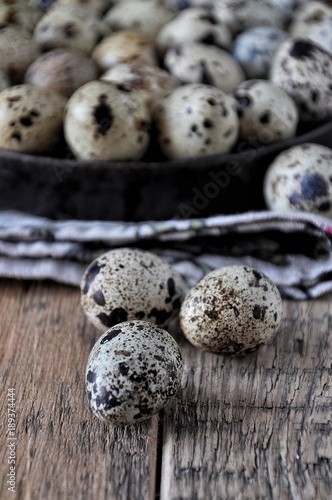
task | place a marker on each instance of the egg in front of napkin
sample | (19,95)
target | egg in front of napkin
(129,284)
(233,310)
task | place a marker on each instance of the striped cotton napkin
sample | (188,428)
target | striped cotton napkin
(293,249)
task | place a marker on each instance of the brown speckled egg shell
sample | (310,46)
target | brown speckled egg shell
(30,119)
(69,26)
(125,46)
(266,112)
(232,311)
(98,6)
(196,120)
(61,70)
(132,371)
(194,62)
(304,71)
(299,179)
(241,15)
(307,16)
(20,14)
(145,16)
(127,283)
(149,83)
(104,121)
(194,25)
(17,51)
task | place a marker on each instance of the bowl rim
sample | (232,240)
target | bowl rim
(199,162)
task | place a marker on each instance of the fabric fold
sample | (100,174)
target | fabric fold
(293,249)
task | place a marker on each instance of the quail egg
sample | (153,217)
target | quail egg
(30,119)
(321,34)
(198,63)
(304,71)
(196,120)
(69,26)
(289,7)
(125,46)
(149,83)
(145,16)
(127,283)
(233,310)
(17,51)
(133,370)
(266,112)
(194,25)
(98,6)
(61,70)
(104,121)
(19,14)
(300,179)
(307,16)
(241,15)
(255,48)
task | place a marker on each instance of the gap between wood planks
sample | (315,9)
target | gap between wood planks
(256,427)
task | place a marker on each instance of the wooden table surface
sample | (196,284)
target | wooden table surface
(258,427)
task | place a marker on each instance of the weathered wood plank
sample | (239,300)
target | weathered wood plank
(62,450)
(258,427)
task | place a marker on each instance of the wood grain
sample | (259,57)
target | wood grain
(257,427)
(250,428)
(63,451)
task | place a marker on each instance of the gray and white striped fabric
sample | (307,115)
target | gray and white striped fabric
(293,249)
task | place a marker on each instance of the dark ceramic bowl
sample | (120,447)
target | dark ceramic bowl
(61,188)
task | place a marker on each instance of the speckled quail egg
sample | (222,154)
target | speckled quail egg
(132,371)
(255,48)
(17,51)
(198,63)
(307,16)
(241,15)
(30,119)
(61,70)
(304,71)
(69,26)
(321,34)
(99,6)
(125,46)
(194,25)
(196,120)
(149,83)
(104,121)
(233,310)
(19,14)
(289,7)
(267,113)
(300,179)
(128,283)
(145,16)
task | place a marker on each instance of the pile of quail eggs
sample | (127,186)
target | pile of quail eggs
(192,78)
(135,366)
